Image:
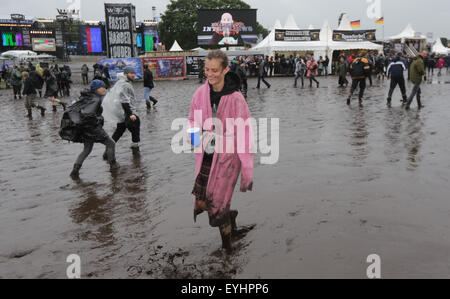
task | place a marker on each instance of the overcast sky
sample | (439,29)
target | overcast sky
(424,15)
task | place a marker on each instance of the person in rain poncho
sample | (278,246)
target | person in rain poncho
(92,128)
(120,107)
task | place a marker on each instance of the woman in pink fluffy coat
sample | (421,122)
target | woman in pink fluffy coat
(226,149)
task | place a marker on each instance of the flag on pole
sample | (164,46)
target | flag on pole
(356,24)
(380,21)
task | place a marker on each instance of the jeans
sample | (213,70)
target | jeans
(300,75)
(416,92)
(147,91)
(89,145)
(261,77)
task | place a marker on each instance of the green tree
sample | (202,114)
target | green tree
(179,22)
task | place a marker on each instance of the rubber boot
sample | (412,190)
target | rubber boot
(42,110)
(63,105)
(360,102)
(54,108)
(389,102)
(75,174)
(135,149)
(419,103)
(114,166)
(225,233)
(29,114)
(149,106)
(154,101)
(348,100)
(405,99)
(105,157)
(233,216)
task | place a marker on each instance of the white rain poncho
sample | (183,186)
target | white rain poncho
(121,93)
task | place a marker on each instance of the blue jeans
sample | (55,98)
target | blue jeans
(147,92)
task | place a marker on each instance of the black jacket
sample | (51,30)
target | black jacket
(148,79)
(28,87)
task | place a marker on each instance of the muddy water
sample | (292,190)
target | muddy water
(350,182)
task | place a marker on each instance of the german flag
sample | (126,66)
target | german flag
(356,24)
(380,21)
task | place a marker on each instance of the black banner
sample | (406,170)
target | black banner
(354,35)
(227,27)
(297,35)
(121,30)
(193,65)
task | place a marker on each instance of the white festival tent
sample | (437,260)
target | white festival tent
(290,23)
(408,34)
(439,48)
(176,47)
(324,47)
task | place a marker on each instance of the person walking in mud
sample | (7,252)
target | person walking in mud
(342,71)
(217,170)
(395,74)
(300,69)
(125,112)
(92,127)
(16,82)
(417,72)
(262,73)
(52,89)
(149,84)
(359,70)
(312,68)
(29,92)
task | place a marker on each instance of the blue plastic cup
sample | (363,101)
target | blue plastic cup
(194,134)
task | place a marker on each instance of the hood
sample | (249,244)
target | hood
(232,84)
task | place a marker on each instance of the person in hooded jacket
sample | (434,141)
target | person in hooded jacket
(129,118)
(217,167)
(37,80)
(52,89)
(417,72)
(359,70)
(92,128)
(16,82)
(29,92)
(395,72)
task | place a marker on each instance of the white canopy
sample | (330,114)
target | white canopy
(439,48)
(345,23)
(277,25)
(408,33)
(176,47)
(290,23)
(311,27)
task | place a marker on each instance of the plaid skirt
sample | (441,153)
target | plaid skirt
(201,182)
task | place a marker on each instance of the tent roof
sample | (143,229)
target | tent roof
(439,48)
(311,27)
(277,25)
(407,33)
(176,47)
(345,23)
(290,23)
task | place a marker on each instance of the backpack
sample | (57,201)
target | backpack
(78,117)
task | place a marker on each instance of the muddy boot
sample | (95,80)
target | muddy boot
(233,216)
(389,102)
(405,99)
(149,106)
(54,108)
(75,174)
(419,103)
(225,233)
(135,149)
(63,105)
(360,102)
(348,100)
(42,110)
(114,166)
(29,114)
(154,101)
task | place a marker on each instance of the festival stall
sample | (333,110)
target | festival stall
(411,38)
(439,48)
